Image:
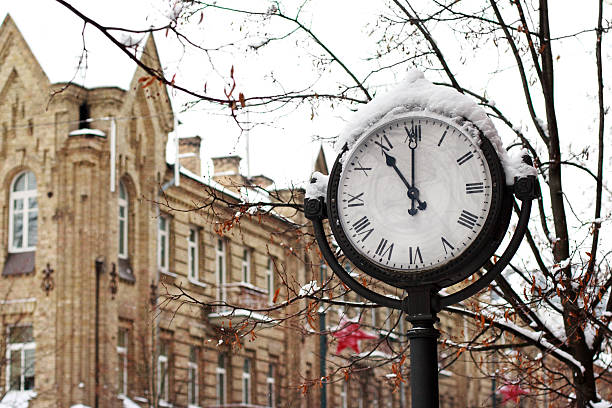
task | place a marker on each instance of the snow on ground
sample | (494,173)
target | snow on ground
(128,403)
(17,399)
(418,94)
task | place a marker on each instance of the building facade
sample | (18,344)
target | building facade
(123,284)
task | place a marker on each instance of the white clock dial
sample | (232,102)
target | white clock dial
(414,193)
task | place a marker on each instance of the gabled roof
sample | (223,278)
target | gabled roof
(57,47)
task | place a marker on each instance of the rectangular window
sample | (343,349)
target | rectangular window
(220,255)
(270,280)
(343,395)
(221,380)
(360,398)
(192,254)
(163,371)
(163,243)
(21,358)
(270,383)
(192,374)
(246,381)
(122,366)
(123,222)
(246,265)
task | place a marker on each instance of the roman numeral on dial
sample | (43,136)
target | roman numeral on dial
(355,201)
(473,188)
(364,169)
(442,138)
(414,253)
(383,249)
(360,228)
(467,219)
(465,158)
(445,244)
(384,143)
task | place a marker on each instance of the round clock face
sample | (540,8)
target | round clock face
(414,194)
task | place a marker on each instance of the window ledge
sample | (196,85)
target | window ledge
(163,403)
(202,285)
(171,274)
(246,285)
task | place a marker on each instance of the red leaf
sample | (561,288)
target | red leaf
(241,99)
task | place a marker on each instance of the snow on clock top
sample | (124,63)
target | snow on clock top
(417,93)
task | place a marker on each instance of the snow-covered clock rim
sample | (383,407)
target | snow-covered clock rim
(417,94)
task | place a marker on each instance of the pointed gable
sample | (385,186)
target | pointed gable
(321,163)
(157,92)
(16,56)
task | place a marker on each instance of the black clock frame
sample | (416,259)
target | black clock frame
(423,300)
(470,260)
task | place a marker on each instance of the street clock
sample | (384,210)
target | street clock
(420,199)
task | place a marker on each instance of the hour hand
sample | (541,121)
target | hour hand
(391,162)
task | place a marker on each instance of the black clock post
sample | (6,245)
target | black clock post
(422,299)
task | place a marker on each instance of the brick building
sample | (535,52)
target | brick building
(101,266)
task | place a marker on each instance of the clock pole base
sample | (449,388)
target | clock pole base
(424,364)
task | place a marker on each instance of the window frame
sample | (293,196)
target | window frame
(270,279)
(193,382)
(122,354)
(123,202)
(247,368)
(21,348)
(163,233)
(221,376)
(271,385)
(246,265)
(165,378)
(193,256)
(221,268)
(25,196)
(344,395)
(373,317)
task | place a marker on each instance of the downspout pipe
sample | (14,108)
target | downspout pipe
(100,267)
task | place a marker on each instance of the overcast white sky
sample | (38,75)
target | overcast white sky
(284,149)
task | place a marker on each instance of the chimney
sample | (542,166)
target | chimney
(189,152)
(226,171)
(262,181)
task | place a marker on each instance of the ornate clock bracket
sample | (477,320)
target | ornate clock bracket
(422,303)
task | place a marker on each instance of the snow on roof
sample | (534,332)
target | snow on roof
(247,195)
(92,132)
(418,94)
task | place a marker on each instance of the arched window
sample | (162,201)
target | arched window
(123,222)
(23,213)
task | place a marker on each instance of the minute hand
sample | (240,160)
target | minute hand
(413,192)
